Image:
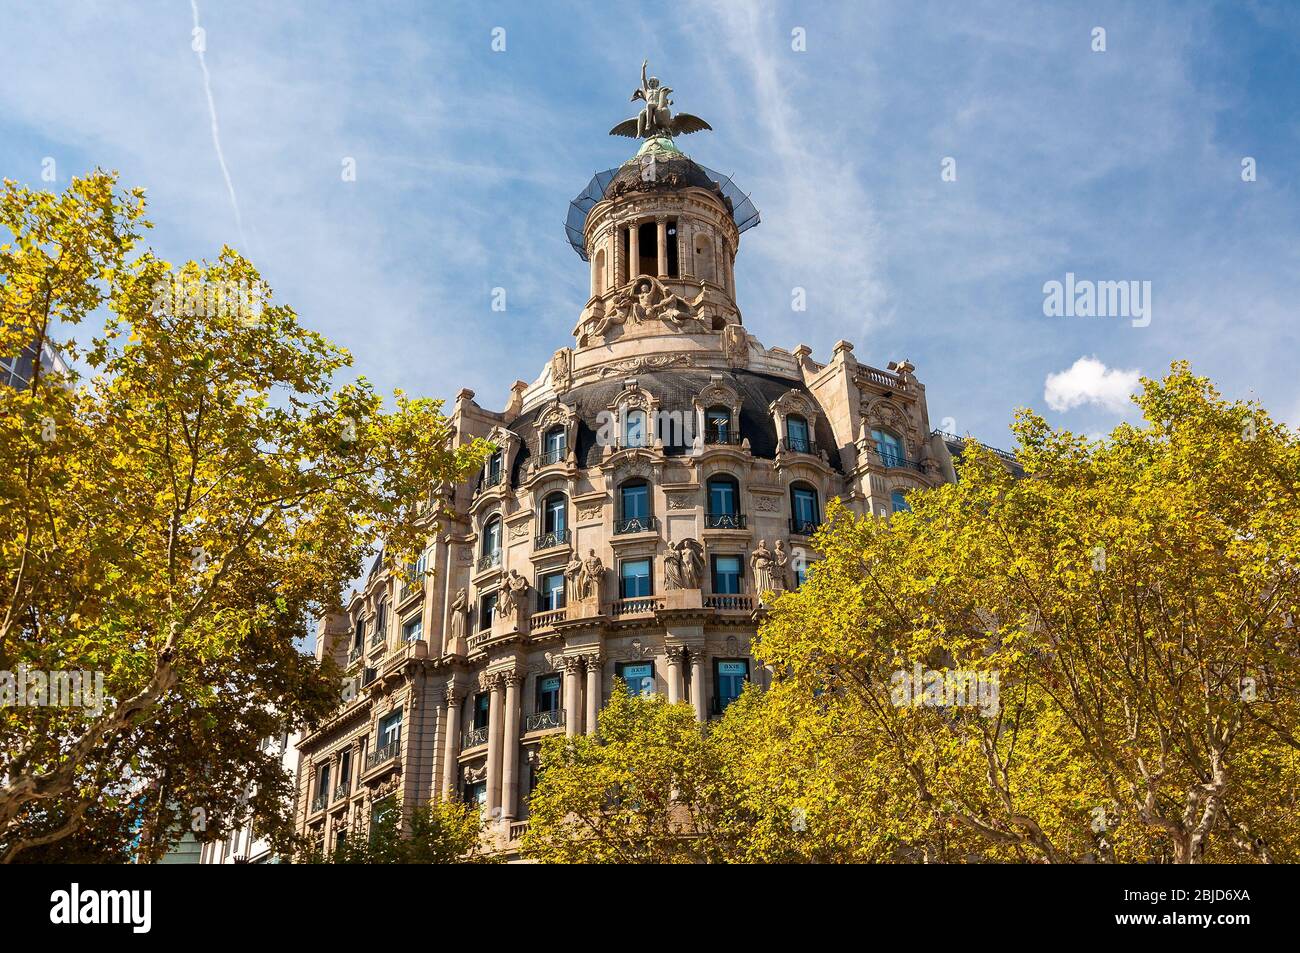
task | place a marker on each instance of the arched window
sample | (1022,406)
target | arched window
(381,623)
(796,434)
(724,504)
(553,446)
(634,508)
(704,259)
(889,447)
(491,547)
(899,502)
(598,273)
(804,514)
(634,431)
(555,509)
(717,425)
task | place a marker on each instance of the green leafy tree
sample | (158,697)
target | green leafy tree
(1135,600)
(636,792)
(173,516)
(439,832)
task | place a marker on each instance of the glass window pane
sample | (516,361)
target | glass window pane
(634,578)
(636,502)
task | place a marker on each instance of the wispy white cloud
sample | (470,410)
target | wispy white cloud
(1089,381)
(200,46)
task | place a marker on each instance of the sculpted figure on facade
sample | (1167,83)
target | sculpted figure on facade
(458,608)
(692,555)
(763,562)
(573,578)
(593,576)
(780,560)
(512,601)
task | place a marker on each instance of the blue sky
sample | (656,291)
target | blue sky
(1115,165)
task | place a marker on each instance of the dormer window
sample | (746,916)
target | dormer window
(634,431)
(796,434)
(553,446)
(717,425)
(492,472)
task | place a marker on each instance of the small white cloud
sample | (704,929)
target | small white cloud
(1089,381)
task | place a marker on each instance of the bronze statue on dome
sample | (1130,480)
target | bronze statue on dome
(655,118)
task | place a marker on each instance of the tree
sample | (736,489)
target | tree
(174,517)
(637,792)
(439,832)
(1125,615)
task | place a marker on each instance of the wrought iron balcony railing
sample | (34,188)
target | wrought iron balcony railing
(799,445)
(341,791)
(542,720)
(388,751)
(488,560)
(474,737)
(492,479)
(318,802)
(723,438)
(724,521)
(898,460)
(553,456)
(355,653)
(804,527)
(558,538)
(635,524)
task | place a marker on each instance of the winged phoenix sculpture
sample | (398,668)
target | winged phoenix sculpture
(655,118)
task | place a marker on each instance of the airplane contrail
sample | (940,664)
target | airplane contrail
(216,131)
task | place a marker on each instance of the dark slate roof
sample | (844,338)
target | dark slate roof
(676,391)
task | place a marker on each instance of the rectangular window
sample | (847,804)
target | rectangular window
(638,676)
(634,578)
(482,705)
(487,611)
(722,498)
(550,592)
(323,782)
(726,575)
(729,675)
(413,630)
(390,730)
(476,794)
(345,769)
(805,508)
(636,502)
(359,636)
(548,693)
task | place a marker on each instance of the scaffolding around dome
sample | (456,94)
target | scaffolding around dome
(743,211)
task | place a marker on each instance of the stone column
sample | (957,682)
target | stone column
(685,250)
(675,674)
(593,692)
(661,245)
(572,703)
(633,251)
(510,769)
(496,733)
(450,743)
(697,685)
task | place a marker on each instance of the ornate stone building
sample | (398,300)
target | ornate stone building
(660,474)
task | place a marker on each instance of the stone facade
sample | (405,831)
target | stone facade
(655,476)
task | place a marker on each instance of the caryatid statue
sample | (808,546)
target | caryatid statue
(458,607)
(593,575)
(764,564)
(655,118)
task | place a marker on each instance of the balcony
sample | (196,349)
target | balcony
(804,527)
(546,618)
(730,603)
(387,752)
(544,720)
(376,638)
(799,445)
(552,456)
(492,479)
(548,540)
(888,459)
(722,438)
(318,802)
(488,561)
(637,524)
(724,521)
(355,653)
(636,605)
(341,791)
(474,738)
